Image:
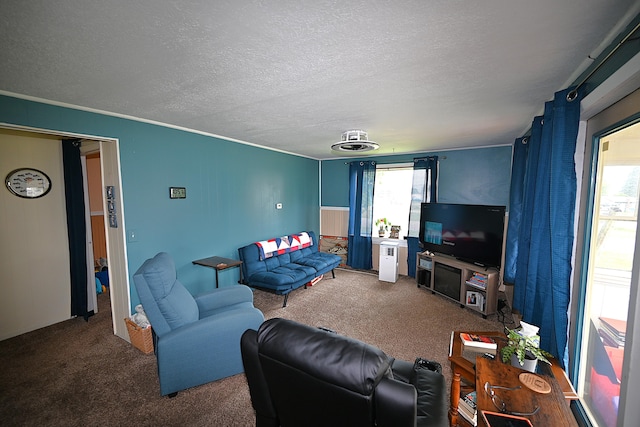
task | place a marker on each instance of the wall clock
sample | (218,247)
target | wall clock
(28,183)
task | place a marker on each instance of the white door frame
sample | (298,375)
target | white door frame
(92,297)
(116,243)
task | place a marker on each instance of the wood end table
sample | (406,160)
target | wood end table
(220,263)
(471,371)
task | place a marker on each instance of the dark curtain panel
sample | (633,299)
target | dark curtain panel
(545,234)
(76,226)
(516,201)
(362,177)
(423,189)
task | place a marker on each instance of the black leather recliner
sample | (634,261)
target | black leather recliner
(299,375)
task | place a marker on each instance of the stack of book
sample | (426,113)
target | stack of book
(478,279)
(613,331)
(467,408)
(478,341)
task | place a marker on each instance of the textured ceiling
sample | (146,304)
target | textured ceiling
(417,75)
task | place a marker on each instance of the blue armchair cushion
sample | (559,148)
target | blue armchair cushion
(197,339)
(176,304)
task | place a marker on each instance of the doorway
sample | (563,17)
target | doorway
(610,260)
(110,175)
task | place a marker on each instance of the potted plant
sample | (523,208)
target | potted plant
(384,224)
(523,351)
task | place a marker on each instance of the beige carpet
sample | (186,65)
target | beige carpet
(79,374)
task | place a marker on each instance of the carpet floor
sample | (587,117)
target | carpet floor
(77,373)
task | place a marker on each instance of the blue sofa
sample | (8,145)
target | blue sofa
(283,264)
(196,340)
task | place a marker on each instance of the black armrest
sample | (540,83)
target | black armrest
(260,399)
(402,370)
(396,403)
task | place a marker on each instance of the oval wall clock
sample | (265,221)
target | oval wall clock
(28,183)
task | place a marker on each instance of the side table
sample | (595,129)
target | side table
(219,264)
(464,369)
(553,408)
(463,366)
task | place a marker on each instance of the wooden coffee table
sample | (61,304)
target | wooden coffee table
(553,408)
(464,371)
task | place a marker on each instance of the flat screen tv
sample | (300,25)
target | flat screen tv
(470,233)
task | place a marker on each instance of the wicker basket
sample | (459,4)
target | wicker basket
(141,338)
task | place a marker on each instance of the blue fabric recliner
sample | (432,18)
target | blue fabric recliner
(196,340)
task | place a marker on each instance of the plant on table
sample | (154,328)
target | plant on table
(383,223)
(522,346)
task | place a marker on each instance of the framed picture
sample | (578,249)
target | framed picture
(474,299)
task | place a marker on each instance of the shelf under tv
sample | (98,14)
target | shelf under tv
(450,277)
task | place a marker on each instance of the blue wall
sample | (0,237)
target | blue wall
(476,176)
(232,189)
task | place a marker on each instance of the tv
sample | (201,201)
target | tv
(470,233)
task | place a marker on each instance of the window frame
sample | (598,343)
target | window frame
(596,121)
(403,239)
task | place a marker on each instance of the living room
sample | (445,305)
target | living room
(232,189)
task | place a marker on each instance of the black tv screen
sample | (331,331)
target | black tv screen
(470,233)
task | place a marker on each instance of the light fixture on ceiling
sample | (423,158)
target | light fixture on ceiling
(355,141)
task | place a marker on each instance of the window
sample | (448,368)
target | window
(392,198)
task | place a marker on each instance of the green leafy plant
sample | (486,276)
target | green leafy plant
(521,346)
(383,223)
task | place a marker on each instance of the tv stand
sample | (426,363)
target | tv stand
(470,285)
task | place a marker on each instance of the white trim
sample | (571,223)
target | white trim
(92,297)
(53,132)
(138,119)
(334,208)
(620,84)
(424,152)
(402,243)
(382,166)
(111,170)
(213,135)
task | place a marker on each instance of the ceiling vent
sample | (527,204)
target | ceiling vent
(354,141)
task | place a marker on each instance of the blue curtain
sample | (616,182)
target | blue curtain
(518,170)
(362,177)
(540,245)
(424,188)
(76,227)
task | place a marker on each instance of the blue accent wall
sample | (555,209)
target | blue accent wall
(480,176)
(232,189)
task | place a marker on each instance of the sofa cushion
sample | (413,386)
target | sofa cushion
(290,269)
(282,275)
(317,260)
